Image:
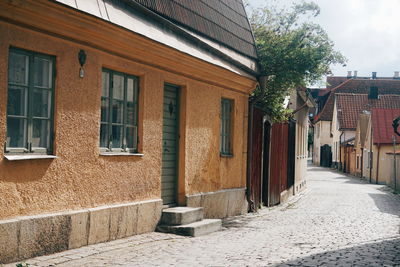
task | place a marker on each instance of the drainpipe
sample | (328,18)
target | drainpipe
(369,158)
(394,163)
(362,162)
(249,155)
(340,150)
(377,163)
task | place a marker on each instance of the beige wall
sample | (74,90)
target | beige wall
(301,145)
(335,137)
(382,165)
(385,170)
(368,147)
(395,184)
(322,137)
(79,177)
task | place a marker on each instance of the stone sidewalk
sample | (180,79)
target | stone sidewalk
(337,221)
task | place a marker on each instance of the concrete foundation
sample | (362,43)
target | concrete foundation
(31,236)
(220,204)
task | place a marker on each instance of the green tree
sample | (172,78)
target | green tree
(293,52)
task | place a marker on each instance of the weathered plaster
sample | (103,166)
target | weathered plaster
(81,178)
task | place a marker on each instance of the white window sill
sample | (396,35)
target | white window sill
(226,155)
(121,154)
(28,157)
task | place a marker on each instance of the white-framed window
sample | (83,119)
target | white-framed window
(119,112)
(30,102)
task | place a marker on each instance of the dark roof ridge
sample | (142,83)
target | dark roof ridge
(222,2)
(189,36)
(229,29)
(223,29)
(343,83)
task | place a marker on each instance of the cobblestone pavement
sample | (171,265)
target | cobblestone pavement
(337,221)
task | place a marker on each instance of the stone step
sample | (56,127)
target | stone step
(181,215)
(203,227)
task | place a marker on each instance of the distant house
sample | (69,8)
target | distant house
(360,143)
(346,112)
(112,110)
(378,163)
(326,146)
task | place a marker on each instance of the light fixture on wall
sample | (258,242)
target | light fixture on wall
(82,61)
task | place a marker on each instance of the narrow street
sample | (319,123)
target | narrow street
(336,221)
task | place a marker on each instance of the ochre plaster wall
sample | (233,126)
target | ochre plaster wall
(206,170)
(79,177)
(385,164)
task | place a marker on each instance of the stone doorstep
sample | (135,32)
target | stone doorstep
(194,229)
(181,215)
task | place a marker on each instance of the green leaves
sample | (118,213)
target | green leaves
(292,49)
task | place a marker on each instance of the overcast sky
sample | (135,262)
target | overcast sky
(367,32)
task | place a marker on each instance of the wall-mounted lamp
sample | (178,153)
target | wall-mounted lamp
(82,61)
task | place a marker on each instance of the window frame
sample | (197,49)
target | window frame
(29,117)
(226,130)
(136,91)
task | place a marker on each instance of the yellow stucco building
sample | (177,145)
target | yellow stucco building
(110,110)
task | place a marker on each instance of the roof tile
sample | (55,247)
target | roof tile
(350,106)
(382,120)
(357,86)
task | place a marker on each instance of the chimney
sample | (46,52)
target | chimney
(396,75)
(355,74)
(373,92)
(374,75)
(349,74)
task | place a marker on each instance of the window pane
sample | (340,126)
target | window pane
(116,136)
(130,94)
(41,103)
(131,113)
(104,109)
(42,72)
(17,101)
(18,69)
(226,126)
(117,111)
(106,84)
(16,132)
(131,137)
(104,135)
(118,87)
(40,133)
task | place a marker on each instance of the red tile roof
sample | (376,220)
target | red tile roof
(382,130)
(357,86)
(350,106)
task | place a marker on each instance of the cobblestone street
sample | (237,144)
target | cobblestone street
(336,221)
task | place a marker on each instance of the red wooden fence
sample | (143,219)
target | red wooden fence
(278,162)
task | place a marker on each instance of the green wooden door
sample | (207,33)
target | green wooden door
(169,173)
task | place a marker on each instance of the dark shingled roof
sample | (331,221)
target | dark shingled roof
(350,106)
(357,86)
(224,21)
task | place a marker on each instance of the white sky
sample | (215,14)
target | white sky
(366,32)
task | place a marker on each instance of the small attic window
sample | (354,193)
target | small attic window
(373,92)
